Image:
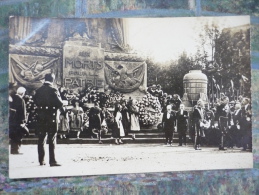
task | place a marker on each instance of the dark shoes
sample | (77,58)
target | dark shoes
(16,153)
(222,148)
(55,165)
(197,147)
(51,164)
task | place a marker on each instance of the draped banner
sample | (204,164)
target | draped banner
(30,72)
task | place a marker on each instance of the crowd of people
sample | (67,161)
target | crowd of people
(52,111)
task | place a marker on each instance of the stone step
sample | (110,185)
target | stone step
(142,136)
(109,134)
(110,140)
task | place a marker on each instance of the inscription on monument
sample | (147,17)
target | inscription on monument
(83,66)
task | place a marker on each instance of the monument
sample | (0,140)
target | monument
(82,53)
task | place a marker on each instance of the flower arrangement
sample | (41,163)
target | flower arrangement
(114,98)
(150,110)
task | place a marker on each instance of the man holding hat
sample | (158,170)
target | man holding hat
(48,101)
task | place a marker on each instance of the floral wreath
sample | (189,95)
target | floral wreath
(150,110)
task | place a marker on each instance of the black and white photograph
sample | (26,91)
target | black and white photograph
(98,96)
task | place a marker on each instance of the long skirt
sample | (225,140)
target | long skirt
(134,123)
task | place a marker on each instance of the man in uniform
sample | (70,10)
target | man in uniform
(209,118)
(223,120)
(198,119)
(48,101)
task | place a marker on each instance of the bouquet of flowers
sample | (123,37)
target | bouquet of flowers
(114,98)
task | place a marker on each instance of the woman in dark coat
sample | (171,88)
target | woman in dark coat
(95,120)
(125,118)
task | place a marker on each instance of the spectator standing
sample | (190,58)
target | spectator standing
(235,120)
(17,120)
(169,122)
(76,117)
(182,124)
(95,120)
(118,132)
(134,118)
(223,119)
(125,117)
(198,118)
(246,124)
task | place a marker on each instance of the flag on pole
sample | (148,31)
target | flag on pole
(245,79)
(214,81)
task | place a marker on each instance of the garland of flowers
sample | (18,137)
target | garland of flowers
(150,110)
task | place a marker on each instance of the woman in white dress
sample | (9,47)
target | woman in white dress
(134,117)
(118,130)
(76,118)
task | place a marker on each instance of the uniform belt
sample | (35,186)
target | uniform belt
(47,108)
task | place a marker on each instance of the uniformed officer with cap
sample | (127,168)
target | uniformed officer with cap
(48,100)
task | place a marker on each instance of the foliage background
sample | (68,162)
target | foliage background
(192,182)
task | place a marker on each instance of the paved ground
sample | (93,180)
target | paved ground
(95,159)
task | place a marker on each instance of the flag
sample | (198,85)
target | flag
(214,81)
(245,79)
(232,84)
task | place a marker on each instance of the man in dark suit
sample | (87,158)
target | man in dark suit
(235,120)
(198,119)
(169,121)
(17,120)
(246,125)
(48,100)
(182,122)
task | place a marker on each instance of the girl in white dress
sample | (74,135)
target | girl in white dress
(134,117)
(119,130)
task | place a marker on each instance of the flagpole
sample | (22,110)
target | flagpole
(212,91)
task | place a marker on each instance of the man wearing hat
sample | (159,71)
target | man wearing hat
(48,101)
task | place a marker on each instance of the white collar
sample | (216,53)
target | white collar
(19,95)
(237,111)
(48,82)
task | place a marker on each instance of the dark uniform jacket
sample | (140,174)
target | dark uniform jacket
(198,115)
(48,100)
(209,116)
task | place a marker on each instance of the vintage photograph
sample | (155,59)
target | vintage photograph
(98,96)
